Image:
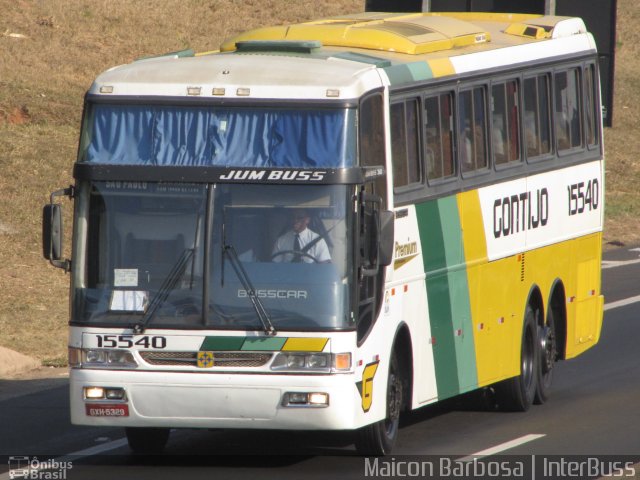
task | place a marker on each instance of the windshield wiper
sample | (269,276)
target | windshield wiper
(169,283)
(230,251)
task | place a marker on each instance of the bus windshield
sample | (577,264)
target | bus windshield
(219,136)
(156,253)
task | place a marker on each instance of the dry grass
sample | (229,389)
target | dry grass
(52,50)
(622,141)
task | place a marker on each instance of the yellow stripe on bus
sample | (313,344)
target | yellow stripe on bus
(305,344)
(490,329)
(441,67)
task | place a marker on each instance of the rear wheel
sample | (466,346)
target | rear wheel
(548,351)
(380,437)
(517,394)
(147,441)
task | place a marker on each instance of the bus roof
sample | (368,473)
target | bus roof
(342,57)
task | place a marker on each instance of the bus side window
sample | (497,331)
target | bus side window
(473,130)
(372,140)
(372,153)
(438,136)
(537,124)
(568,110)
(405,141)
(590,83)
(505,136)
(371,131)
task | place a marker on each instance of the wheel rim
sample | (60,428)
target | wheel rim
(548,344)
(528,355)
(394,401)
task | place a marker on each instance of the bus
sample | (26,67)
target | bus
(445,170)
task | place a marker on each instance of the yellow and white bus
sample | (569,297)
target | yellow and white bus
(444,173)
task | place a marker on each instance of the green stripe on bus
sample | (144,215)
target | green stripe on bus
(274,344)
(222,343)
(399,74)
(459,294)
(448,296)
(438,294)
(420,70)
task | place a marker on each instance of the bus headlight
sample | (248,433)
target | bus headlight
(99,358)
(317,362)
(302,361)
(120,357)
(294,361)
(94,393)
(104,393)
(305,399)
(95,356)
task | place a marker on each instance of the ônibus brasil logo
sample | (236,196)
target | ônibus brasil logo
(32,468)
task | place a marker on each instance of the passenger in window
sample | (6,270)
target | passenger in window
(498,134)
(531,134)
(480,154)
(466,149)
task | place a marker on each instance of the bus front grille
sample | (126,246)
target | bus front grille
(220,359)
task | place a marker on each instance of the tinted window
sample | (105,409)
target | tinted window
(567,114)
(372,131)
(473,130)
(592,119)
(537,125)
(405,142)
(439,136)
(505,136)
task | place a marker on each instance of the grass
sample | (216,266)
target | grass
(51,52)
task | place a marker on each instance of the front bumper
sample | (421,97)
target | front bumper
(207,400)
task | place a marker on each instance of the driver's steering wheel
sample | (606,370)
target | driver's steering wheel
(295,252)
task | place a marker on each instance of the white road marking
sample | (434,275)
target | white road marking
(502,447)
(618,263)
(622,303)
(97,450)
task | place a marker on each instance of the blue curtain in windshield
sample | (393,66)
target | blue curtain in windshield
(141,135)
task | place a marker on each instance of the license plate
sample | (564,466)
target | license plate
(107,410)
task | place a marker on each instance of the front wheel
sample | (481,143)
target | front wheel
(147,441)
(517,394)
(380,437)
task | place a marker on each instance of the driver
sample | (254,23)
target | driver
(301,239)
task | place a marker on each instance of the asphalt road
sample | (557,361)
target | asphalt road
(594,411)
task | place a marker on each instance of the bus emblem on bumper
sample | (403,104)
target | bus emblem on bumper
(205,359)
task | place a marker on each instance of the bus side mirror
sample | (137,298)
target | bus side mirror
(52,232)
(387,222)
(377,235)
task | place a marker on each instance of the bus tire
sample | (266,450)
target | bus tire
(380,437)
(147,441)
(517,394)
(547,353)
